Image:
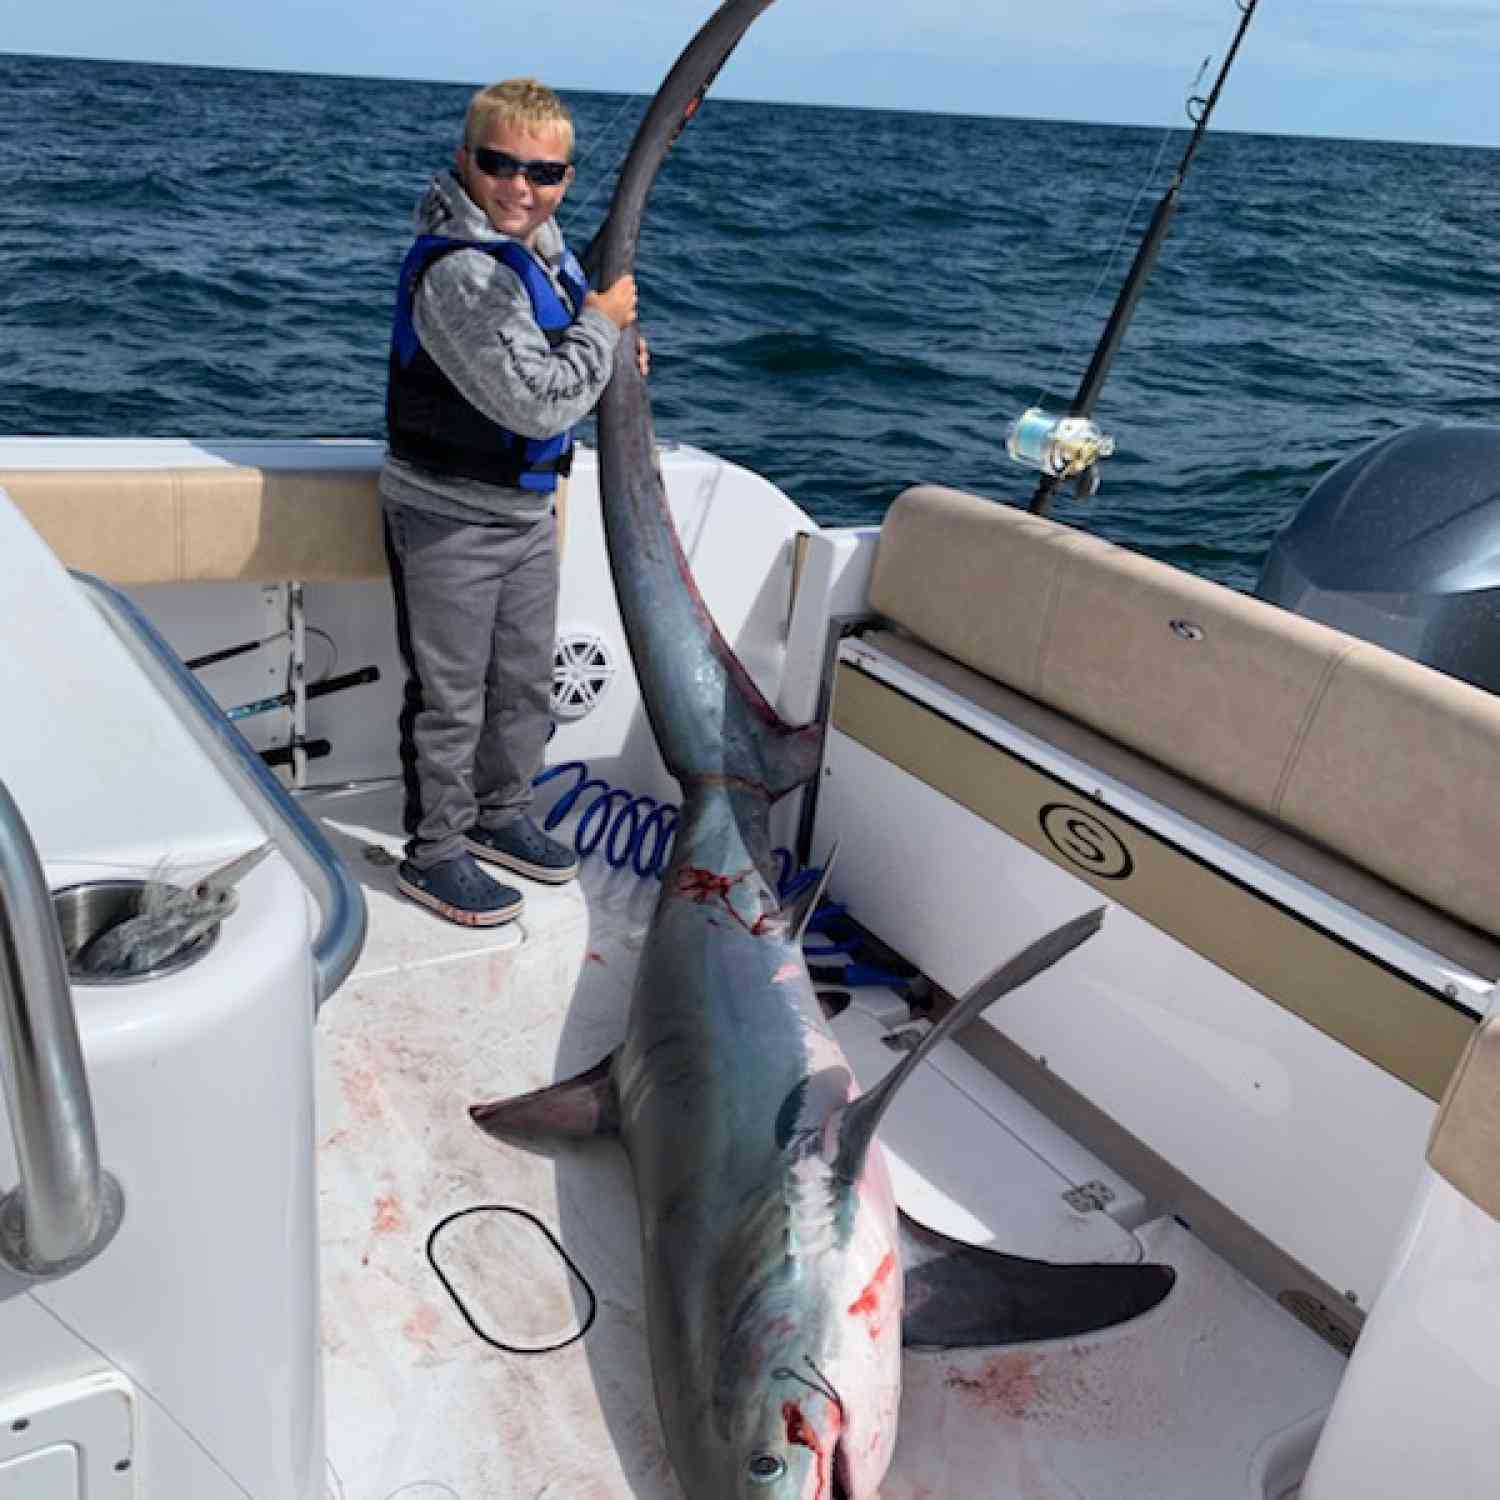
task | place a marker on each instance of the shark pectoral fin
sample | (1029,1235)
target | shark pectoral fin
(583,1106)
(960,1296)
(857,1126)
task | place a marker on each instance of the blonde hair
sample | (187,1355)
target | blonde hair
(522,102)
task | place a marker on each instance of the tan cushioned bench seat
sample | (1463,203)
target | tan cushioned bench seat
(140,526)
(1384,762)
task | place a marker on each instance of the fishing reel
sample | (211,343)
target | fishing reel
(1060,448)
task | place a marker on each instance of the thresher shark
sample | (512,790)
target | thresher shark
(1192,1198)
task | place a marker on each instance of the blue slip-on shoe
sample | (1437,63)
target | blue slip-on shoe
(460,891)
(523,847)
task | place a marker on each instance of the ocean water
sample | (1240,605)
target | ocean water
(848,301)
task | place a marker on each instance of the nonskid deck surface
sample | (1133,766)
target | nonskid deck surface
(1192,1400)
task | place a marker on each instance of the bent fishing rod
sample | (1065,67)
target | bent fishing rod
(1069,448)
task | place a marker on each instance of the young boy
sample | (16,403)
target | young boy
(499,348)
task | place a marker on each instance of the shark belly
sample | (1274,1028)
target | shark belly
(726,1081)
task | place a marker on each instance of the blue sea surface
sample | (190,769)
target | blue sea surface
(848,301)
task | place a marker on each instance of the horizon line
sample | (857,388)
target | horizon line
(958,114)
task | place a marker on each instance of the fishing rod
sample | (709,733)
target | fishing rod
(314,690)
(1069,448)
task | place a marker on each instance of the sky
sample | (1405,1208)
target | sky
(1408,70)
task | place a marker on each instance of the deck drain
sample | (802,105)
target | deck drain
(482,1254)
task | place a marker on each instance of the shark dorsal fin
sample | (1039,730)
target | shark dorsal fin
(860,1118)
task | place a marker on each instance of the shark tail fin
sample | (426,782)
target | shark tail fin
(862,1116)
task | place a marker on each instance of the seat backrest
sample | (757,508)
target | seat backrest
(1374,756)
(193,525)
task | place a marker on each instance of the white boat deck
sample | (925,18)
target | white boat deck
(1218,1393)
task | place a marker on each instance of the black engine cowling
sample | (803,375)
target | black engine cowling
(1400,544)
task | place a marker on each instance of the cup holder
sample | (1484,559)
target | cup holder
(85,911)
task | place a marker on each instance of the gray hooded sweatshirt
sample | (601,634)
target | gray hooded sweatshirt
(474,317)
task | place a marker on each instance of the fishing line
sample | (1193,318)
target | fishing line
(822,1385)
(609,129)
(576,208)
(1107,269)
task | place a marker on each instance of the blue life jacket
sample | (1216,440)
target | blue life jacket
(428,420)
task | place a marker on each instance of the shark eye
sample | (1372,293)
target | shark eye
(766,1468)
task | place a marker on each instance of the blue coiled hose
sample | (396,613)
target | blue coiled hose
(633,831)
(636,832)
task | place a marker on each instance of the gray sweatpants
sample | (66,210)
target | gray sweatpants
(476,615)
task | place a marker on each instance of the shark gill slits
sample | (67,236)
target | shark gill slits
(789,1113)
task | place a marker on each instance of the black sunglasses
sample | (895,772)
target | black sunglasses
(503,164)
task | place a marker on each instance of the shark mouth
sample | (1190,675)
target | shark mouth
(831,1463)
(843,1480)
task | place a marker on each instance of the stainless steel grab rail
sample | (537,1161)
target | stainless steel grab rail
(65,1209)
(341,936)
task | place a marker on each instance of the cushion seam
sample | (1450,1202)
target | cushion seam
(1304,729)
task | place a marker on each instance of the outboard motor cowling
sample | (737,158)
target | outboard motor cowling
(1400,545)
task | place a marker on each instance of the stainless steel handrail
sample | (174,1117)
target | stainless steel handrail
(65,1209)
(341,936)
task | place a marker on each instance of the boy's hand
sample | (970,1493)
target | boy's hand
(617,303)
